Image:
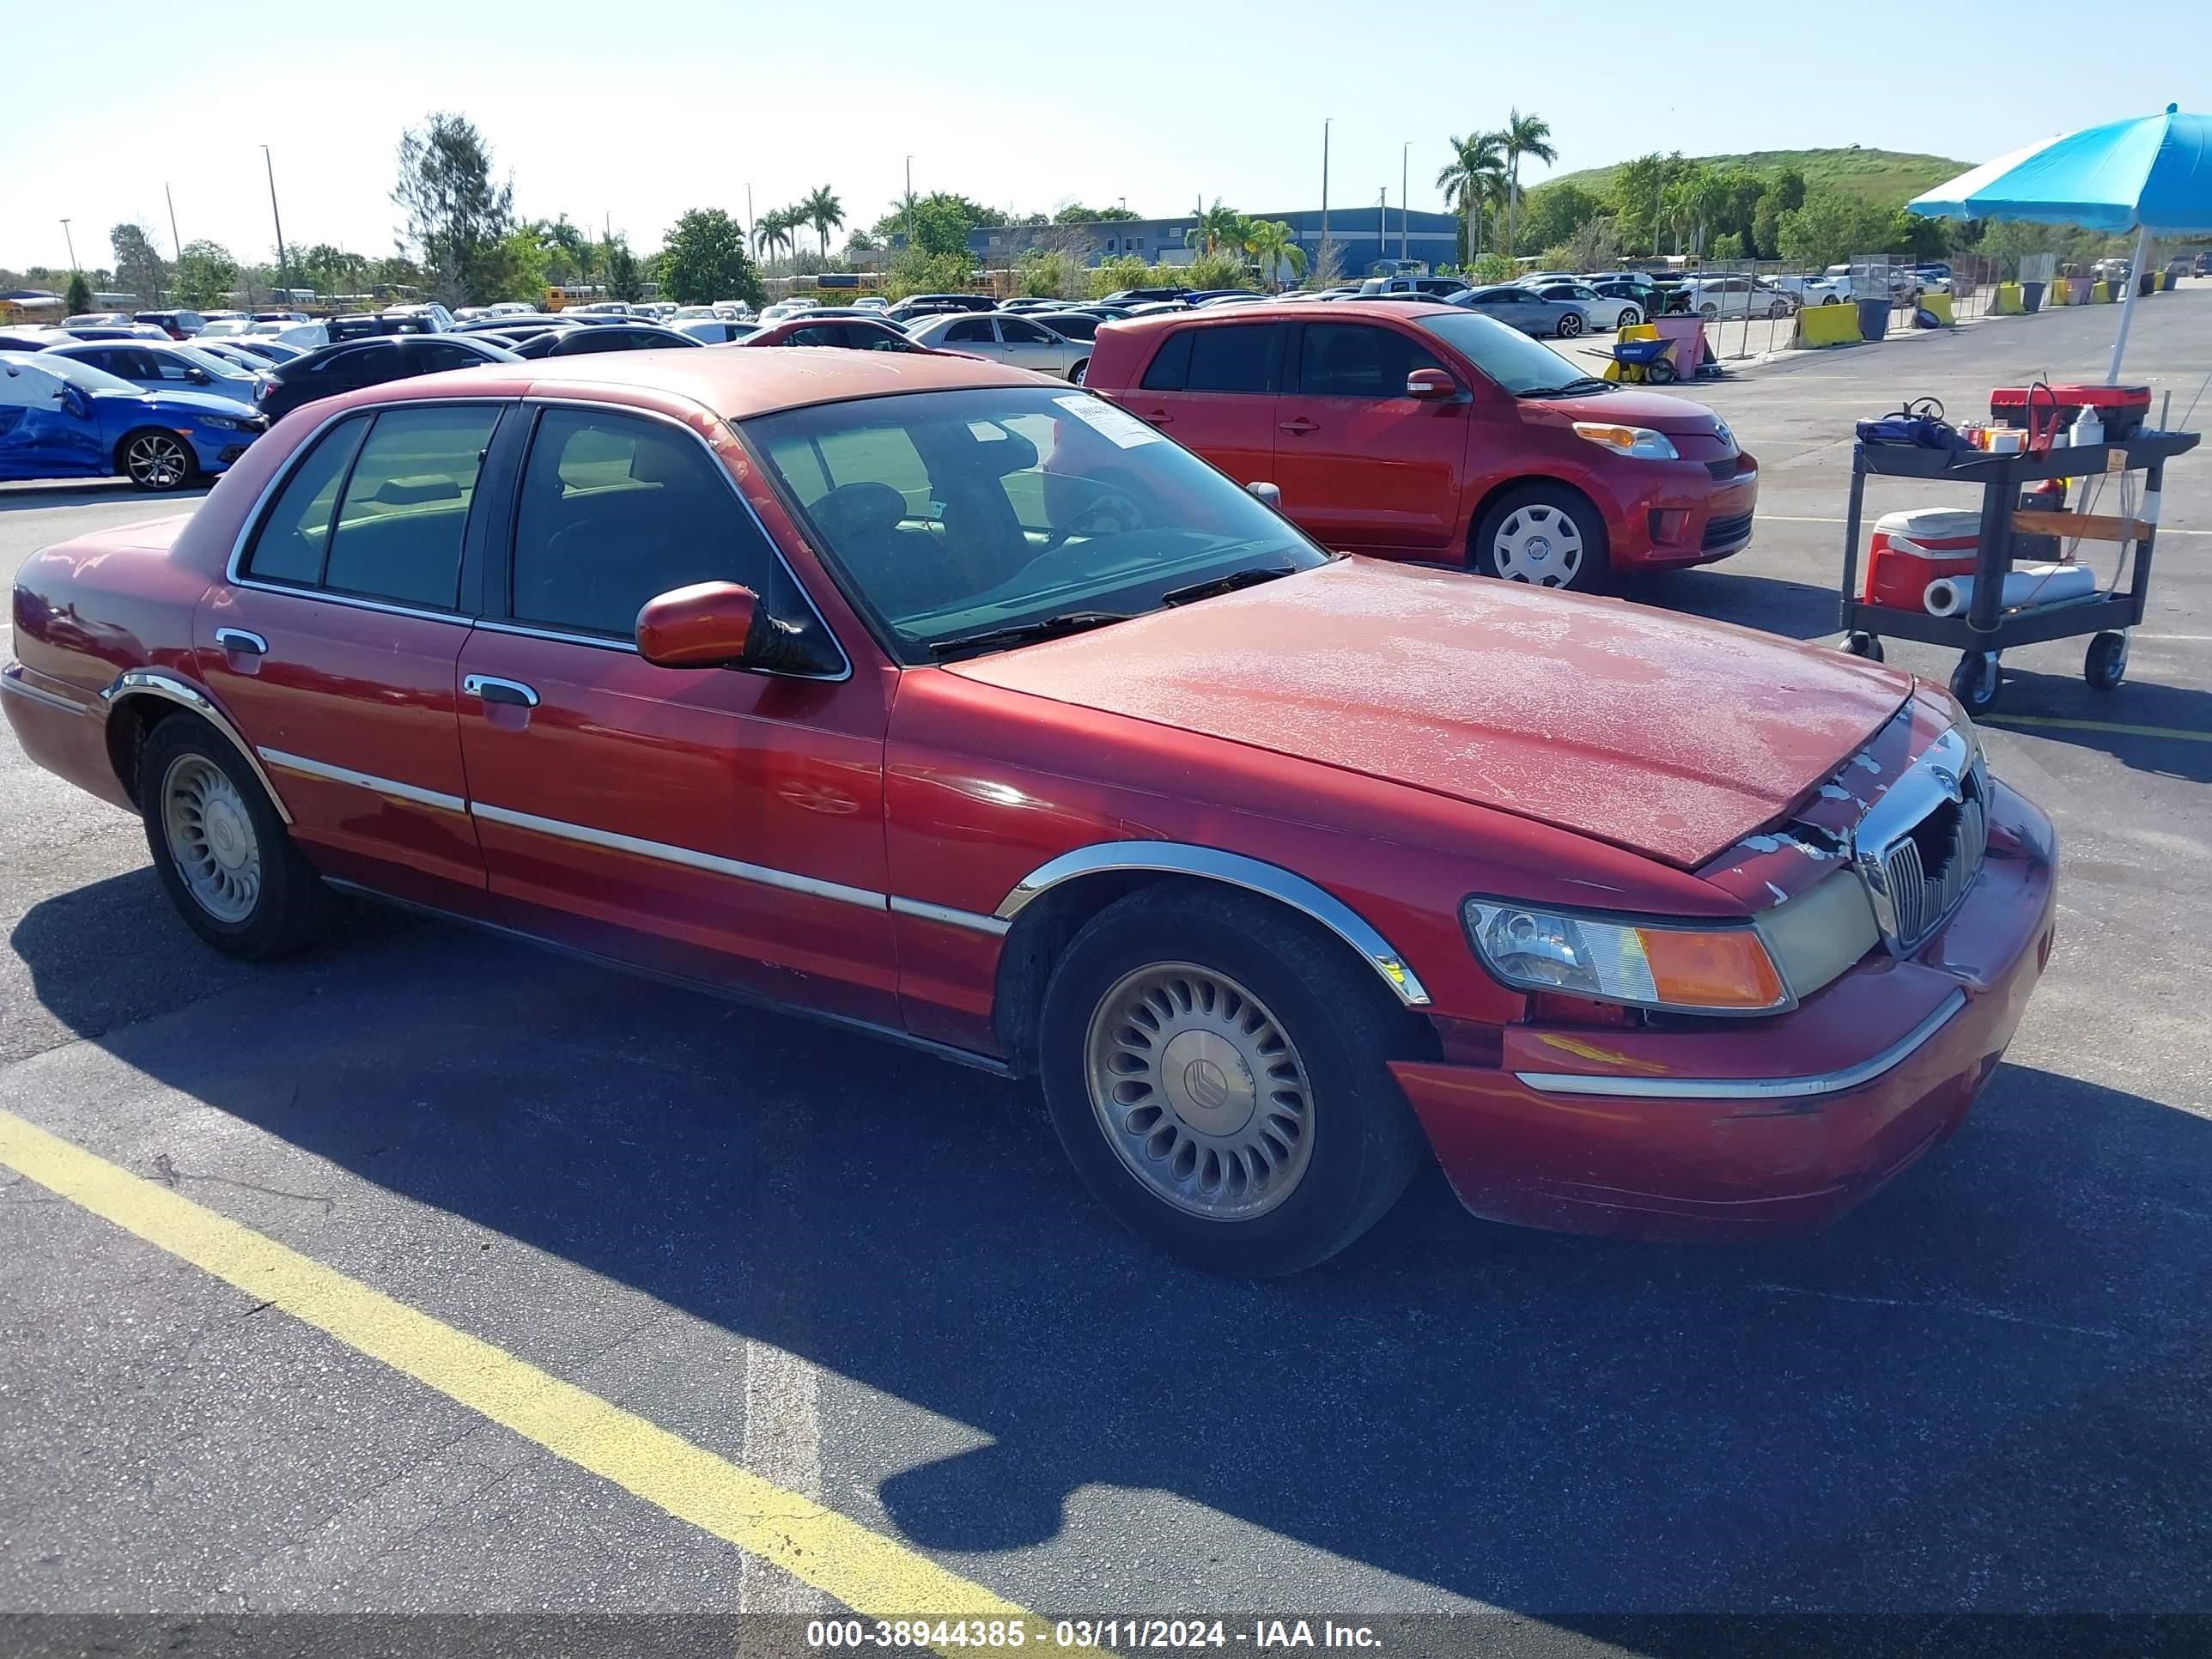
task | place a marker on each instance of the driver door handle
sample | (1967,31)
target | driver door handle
(486,689)
(1299,427)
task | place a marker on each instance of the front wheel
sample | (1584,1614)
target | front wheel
(1629,318)
(1570,325)
(1215,1068)
(1545,535)
(1710,312)
(155,461)
(223,854)
(1778,309)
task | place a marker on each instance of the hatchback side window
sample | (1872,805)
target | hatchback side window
(616,510)
(1170,364)
(296,534)
(1233,359)
(405,507)
(1345,359)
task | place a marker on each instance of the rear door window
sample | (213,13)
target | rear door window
(295,533)
(1239,358)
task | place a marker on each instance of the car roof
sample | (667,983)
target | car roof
(735,385)
(1284,311)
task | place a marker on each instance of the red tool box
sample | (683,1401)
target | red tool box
(2123,409)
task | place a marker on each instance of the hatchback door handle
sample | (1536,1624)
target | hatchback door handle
(487,689)
(1299,427)
(242,640)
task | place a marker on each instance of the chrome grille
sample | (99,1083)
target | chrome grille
(1922,846)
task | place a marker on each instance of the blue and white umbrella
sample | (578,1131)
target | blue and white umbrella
(2153,173)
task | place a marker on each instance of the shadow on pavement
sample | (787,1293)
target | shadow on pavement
(1798,610)
(1987,1388)
(2076,713)
(99,493)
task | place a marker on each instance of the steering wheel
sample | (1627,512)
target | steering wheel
(1112,511)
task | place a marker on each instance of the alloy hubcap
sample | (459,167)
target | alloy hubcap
(1200,1091)
(157,461)
(211,838)
(1541,545)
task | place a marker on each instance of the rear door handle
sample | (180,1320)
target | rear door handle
(487,689)
(242,640)
(1299,427)
(1160,417)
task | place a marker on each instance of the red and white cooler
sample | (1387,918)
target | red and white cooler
(1911,550)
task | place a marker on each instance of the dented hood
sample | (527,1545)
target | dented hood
(1656,732)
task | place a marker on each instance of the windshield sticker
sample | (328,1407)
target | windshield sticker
(1117,424)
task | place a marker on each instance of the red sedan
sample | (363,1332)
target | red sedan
(1431,432)
(917,695)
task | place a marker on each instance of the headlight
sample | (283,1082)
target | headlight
(224,423)
(1686,967)
(1638,441)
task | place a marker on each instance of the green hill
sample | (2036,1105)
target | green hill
(1887,177)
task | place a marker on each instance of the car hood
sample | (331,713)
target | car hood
(193,402)
(1662,734)
(1673,416)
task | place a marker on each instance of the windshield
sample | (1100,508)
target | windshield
(951,514)
(211,362)
(84,374)
(1512,359)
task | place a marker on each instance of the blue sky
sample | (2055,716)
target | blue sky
(602,112)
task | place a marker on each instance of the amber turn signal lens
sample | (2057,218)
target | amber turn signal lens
(1728,970)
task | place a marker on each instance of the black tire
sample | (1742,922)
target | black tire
(1366,1143)
(291,907)
(156,460)
(1778,309)
(1570,325)
(1629,318)
(1975,681)
(1075,375)
(1710,312)
(1832,300)
(1864,645)
(1586,576)
(1660,371)
(2106,663)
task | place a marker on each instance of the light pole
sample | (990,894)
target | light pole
(282,281)
(71,240)
(176,242)
(1321,253)
(749,215)
(910,181)
(1405,174)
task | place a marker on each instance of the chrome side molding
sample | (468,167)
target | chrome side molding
(1253,875)
(369,780)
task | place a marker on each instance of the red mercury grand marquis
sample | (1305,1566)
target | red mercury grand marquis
(932,698)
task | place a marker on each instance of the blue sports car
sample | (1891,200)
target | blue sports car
(63,419)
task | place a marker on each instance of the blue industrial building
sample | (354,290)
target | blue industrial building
(1365,237)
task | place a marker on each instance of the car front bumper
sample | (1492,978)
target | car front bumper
(1760,1126)
(1677,514)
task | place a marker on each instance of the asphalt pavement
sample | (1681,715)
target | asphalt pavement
(851,1275)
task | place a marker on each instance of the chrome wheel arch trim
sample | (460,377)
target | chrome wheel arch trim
(1235,869)
(174,687)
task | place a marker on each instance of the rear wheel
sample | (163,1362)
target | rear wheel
(223,855)
(154,460)
(1778,309)
(1077,373)
(1629,318)
(1570,325)
(1545,535)
(1215,1068)
(1710,312)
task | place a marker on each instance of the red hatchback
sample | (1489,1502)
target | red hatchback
(1429,432)
(947,703)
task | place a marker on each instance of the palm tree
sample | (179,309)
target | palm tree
(772,230)
(825,213)
(1522,135)
(1216,225)
(1270,243)
(1470,182)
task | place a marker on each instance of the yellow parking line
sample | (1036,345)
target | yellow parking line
(2032,720)
(874,1576)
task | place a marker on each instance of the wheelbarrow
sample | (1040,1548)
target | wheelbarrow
(1645,360)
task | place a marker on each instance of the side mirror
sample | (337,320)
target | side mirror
(706,625)
(199,377)
(1265,493)
(1430,384)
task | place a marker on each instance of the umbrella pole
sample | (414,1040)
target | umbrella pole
(2128,302)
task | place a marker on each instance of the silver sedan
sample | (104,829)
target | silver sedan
(1004,337)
